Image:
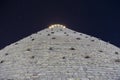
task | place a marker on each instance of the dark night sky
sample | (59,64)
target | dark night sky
(20,18)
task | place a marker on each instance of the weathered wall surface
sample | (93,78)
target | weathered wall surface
(60,54)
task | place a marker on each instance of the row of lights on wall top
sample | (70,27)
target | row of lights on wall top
(56,25)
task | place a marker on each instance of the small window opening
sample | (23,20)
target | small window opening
(53,38)
(74,32)
(48,35)
(28,49)
(6,54)
(16,43)
(86,37)
(81,34)
(100,51)
(51,48)
(65,33)
(2,61)
(72,48)
(52,32)
(117,60)
(33,39)
(116,53)
(92,40)
(32,57)
(78,38)
(87,57)
(63,57)
(61,30)
(10,79)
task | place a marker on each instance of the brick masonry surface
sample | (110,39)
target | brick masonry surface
(60,54)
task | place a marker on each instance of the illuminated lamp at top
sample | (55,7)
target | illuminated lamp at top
(56,25)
